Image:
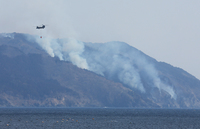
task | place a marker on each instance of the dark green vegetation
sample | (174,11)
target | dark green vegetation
(29,77)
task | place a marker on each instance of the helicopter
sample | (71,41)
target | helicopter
(40,27)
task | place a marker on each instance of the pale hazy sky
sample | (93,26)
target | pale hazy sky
(167,30)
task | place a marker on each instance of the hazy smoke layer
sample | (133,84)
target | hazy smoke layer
(65,49)
(114,60)
(9,35)
(117,60)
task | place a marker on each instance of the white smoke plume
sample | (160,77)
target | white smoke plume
(119,60)
(9,35)
(114,60)
(64,49)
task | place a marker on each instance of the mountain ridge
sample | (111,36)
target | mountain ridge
(33,76)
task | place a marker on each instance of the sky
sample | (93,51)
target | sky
(167,30)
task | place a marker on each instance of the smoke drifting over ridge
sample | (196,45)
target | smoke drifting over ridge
(114,60)
(64,49)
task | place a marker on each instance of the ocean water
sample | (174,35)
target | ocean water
(98,118)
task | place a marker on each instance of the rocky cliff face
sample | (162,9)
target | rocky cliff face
(31,77)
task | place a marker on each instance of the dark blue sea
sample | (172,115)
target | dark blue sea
(98,118)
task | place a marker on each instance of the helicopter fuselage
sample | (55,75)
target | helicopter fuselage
(40,27)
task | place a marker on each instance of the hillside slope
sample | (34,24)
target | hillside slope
(165,85)
(68,73)
(30,77)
